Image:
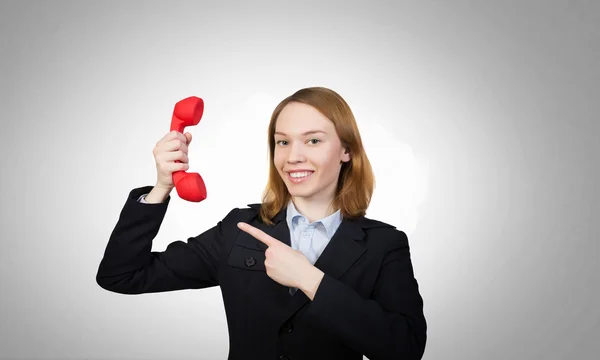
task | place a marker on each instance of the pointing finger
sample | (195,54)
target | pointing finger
(256,233)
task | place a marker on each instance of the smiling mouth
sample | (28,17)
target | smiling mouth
(297,180)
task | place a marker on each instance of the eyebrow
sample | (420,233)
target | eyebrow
(306,133)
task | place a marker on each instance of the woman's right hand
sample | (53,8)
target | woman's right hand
(173,146)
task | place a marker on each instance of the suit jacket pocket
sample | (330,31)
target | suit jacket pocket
(242,257)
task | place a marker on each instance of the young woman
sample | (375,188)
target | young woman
(303,274)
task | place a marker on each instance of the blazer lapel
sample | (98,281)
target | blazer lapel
(342,251)
(339,255)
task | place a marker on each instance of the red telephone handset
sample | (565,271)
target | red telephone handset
(188,112)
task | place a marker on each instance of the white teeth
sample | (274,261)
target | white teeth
(300,174)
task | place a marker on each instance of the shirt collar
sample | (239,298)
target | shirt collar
(330,223)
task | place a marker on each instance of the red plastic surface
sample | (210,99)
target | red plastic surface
(188,112)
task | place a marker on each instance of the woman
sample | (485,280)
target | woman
(304,274)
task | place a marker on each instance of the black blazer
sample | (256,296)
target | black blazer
(368,302)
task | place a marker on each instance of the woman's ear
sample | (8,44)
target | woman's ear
(346,156)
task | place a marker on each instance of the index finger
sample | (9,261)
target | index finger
(257,233)
(172,135)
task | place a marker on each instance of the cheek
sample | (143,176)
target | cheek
(277,158)
(325,159)
(327,166)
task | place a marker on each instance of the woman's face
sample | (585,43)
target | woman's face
(320,153)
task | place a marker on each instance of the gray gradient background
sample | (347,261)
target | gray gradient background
(481,120)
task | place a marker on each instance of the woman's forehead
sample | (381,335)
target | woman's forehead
(303,126)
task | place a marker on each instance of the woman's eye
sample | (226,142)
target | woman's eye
(280,141)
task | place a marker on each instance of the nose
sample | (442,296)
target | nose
(295,153)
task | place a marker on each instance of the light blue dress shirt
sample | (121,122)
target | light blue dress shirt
(310,238)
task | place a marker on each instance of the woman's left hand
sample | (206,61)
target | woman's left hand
(285,265)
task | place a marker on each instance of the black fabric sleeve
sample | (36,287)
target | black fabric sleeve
(130,267)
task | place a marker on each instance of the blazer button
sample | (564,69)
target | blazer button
(250,261)
(284,358)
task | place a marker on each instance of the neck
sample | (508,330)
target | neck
(314,209)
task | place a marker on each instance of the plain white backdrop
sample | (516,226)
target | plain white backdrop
(479,118)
